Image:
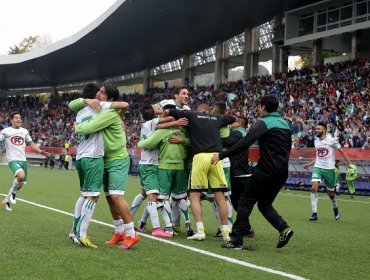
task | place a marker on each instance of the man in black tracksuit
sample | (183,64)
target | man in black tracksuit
(274,140)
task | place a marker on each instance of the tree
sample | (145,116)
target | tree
(30,43)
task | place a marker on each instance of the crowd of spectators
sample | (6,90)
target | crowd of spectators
(338,94)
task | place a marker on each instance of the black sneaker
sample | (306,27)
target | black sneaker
(218,233)
(313,217)
(142,227)
(336,214)
(189,230)
(232,245)
(284,237)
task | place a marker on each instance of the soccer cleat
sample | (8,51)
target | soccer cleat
(232,245)
(12,199)
(218,233)
(336,213)
(129,242)
(142,227)
(85,241)
(73,237)
(198,236)
(6,206)
(116,237)
(159,232)
(169,230)
(284,237)
(189,229)
(313,217)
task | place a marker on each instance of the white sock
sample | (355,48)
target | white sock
(175,212)
(226,228)
(118,226)
(229,213)
(216,213)
(166,213)
(78,206)
(145,215)
(153,213)
(200,227)
(183,206)
(334,201)
(14,187)
(130,229)
(139,198)
(314,200)
(77,212)
(86,216)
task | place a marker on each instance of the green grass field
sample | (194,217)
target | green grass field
(34,240)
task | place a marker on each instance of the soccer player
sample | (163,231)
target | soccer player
(16,138)
(148,168)
(274,140)
(173,177)
(116,162)
(90,166)
(204,134)
(180,100)
(323,169)
(220,109)
(240,170)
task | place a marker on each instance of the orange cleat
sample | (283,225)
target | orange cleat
(116,237)
(129,242)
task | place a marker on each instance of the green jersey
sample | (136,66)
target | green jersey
(171,156)
(113,135)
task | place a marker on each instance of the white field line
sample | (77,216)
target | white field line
(324,196)
(200,251)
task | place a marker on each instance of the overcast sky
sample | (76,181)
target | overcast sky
(53,19)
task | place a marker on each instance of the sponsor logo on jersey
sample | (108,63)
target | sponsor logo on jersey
(322,152)
(17,140)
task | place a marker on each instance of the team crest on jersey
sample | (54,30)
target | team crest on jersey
(17,140)
(322,152)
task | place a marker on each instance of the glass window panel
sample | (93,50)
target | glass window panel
(306,26)
(361,9)
(321,19)
(333,16)
(346,13)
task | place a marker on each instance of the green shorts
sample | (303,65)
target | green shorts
(204,173)
(173,183)
(115,176)
(90,172)
(328,175)
(16,166)
(149,178)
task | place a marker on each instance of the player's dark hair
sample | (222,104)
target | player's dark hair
(221,107)
(322,124)
(178,89)
(12,114)
(243,121)
(111,91)
(270,102)
(90,90)
(147,111)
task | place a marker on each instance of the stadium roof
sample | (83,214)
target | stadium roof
(136,34)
